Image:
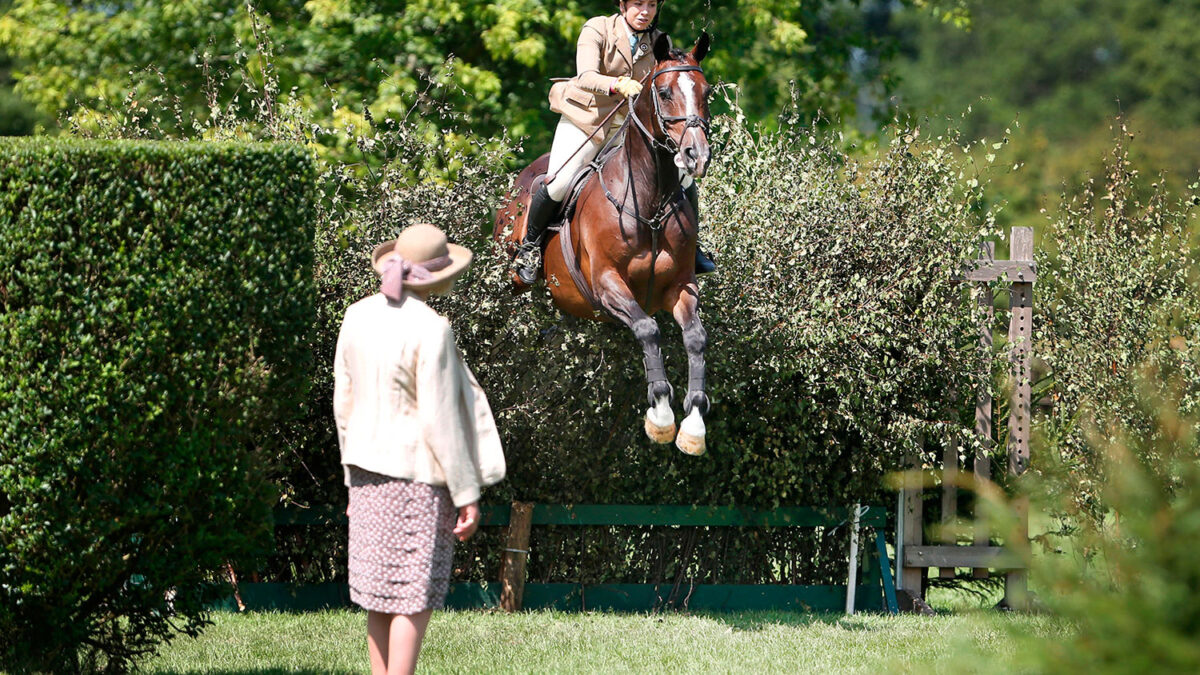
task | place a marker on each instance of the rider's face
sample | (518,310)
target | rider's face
(639,13)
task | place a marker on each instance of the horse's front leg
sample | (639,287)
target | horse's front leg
(614,294)
(684,306)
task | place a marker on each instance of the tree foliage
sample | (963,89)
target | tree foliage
(487,60)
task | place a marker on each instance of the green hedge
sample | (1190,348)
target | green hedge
(155,307)
(837,340)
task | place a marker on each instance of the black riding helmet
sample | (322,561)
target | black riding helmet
(653,24)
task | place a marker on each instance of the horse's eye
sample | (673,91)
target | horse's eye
(665,92)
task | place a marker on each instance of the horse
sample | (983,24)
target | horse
(627,249)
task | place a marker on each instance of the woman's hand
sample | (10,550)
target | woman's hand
(468,521)
(627,86)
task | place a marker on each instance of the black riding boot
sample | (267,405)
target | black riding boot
(704,264)
(541,209)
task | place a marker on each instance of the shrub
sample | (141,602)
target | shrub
(1118,288)
(837,337)
(155,303)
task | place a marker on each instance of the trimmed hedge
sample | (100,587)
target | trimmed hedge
(155,307)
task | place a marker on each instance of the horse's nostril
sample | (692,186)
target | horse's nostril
(690,152)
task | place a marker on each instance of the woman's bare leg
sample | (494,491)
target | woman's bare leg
(405,644)
(378,627)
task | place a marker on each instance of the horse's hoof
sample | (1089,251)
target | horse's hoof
(690,445)
(691,434)
(660,434)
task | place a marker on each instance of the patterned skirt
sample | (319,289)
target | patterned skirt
(401,543)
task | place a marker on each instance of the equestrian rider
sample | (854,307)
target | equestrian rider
(612,56)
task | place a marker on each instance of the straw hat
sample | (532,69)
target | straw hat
(419,244)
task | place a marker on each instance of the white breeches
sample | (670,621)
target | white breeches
(567,139)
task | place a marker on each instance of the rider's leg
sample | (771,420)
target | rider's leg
(547,197)
(704,264)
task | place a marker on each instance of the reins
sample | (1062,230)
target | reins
(666,206)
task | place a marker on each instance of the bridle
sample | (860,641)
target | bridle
(692,120)
(668,204)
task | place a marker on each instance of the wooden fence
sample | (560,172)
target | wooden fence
(914,555)
(875,592)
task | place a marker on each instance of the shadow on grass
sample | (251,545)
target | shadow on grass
(757,621)
(258,671)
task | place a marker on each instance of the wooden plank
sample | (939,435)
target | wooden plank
(983,405)
(1016,271)
(949,498)
(685,515)
(1020,336)
(574,597)
(1016,582)
(516,554)
(996,557)
(911,578)
(635,515)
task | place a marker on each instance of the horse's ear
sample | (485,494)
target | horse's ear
(662,47)
(701,48)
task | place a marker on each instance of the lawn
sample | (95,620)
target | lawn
(546,641)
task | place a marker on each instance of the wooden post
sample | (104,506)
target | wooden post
(911,576)
(1020,336)
(949,499)
(983,403)
(516,554)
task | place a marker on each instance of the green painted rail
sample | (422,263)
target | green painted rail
(875,593)
(637,515)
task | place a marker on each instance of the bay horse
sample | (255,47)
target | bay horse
(628,248)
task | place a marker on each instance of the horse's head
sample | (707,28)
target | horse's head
(680,94)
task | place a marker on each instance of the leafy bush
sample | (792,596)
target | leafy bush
(1117,288)
(155,303)
(837,337)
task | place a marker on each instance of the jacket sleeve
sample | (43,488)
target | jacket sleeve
(439,395)
(589,55)
(343,391)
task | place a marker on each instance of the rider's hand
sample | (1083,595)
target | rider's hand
(468,521)
(627,86)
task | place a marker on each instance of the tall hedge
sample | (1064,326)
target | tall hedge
(837,338)
(155,307)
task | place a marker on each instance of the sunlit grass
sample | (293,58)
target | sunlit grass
(477,642)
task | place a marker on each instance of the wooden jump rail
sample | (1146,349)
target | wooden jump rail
(915,557)
(520,518)
(876,590)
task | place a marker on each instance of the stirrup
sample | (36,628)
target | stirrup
(528,261)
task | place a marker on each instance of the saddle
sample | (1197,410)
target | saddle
(580,179)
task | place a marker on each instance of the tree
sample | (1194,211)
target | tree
(487,61)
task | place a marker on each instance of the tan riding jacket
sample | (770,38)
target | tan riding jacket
(405,403)
(602,54)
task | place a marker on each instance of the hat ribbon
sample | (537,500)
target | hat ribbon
(397,270)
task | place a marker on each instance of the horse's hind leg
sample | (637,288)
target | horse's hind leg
(615,296)
(695,341)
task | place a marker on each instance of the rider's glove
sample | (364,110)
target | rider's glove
(627,86)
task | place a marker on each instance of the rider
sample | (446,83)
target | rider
(612,56)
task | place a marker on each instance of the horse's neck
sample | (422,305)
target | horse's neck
(653,169)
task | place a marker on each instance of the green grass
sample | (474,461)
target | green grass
(479,642)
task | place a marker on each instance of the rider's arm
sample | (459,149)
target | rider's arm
(589,54)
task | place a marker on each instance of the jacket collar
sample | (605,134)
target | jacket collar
(617,32)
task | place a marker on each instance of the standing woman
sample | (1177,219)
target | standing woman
(613,54)
(417,440)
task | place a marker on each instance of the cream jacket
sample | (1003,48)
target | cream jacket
(406,404)
(601,55)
